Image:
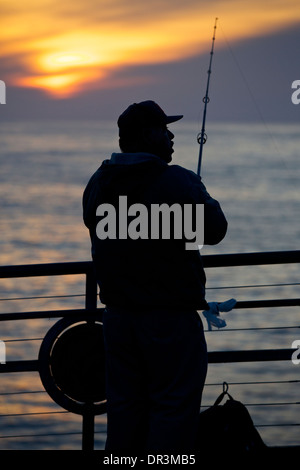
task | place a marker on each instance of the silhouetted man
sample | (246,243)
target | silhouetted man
(151,284)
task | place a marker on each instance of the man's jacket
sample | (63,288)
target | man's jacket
(149,273)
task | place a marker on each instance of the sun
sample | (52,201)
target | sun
(57,85)
(70,59)
(62,74)
(64,60)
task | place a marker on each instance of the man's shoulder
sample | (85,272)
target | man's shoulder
(177,183)
(182,174)
(94,179)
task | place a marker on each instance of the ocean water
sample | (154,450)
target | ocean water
(252,169)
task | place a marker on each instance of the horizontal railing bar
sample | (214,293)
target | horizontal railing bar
(209,261)
(213,358)
(37,297)
(267,303)
(21,340)
(227,330)
(285,403)
(80,312)
(250,259)
(230,330)
(20,366)
(46,269)
(215,384)
(24,392)
(289,403)
(252,286)
(279,425)
(19,436)
(254,355)
(38,413)
(269,382)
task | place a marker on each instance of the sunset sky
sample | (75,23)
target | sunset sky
(58,51)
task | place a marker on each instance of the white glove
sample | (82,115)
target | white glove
(212,315)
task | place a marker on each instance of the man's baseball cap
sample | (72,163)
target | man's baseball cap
(146,113)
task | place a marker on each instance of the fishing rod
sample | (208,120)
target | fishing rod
(202,137)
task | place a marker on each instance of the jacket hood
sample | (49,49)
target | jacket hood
(131,158)
(123,174)
(127,173)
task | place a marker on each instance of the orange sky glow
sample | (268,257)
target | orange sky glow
(66,47)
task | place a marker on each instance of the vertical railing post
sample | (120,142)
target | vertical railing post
(90,290)
(88,429)
(88,418)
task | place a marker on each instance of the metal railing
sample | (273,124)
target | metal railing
(91,299)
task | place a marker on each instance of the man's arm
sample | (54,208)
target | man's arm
(215,223)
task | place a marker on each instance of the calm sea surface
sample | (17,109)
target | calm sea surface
(253,170)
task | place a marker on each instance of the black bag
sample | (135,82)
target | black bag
(228,429)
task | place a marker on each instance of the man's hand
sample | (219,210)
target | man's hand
(212,315)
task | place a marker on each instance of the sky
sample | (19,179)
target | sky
(91,59)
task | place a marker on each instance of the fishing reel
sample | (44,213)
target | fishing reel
(201,138)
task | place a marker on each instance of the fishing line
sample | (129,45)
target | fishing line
(251,94)
(202,136)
